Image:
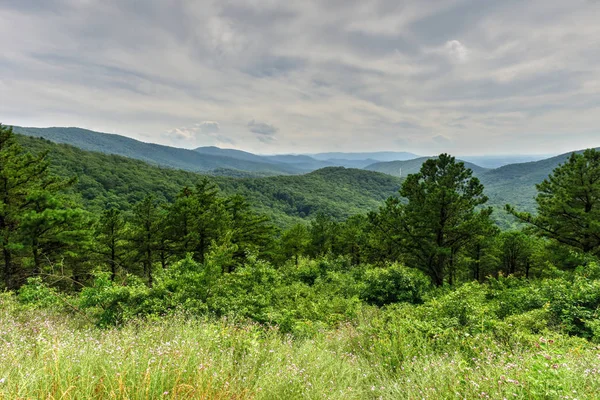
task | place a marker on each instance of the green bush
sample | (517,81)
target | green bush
(393,284)
(37,294)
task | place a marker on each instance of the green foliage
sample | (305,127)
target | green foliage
(35,220)
(36,294)
(111,181)
(165,156)
(110,303)
(393,284)
(427,283)
(439,218)
(568,204)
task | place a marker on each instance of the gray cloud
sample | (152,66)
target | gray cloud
(208,126)
(205,133)
(331,75)
(262,128)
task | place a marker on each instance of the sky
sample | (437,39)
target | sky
(461,76)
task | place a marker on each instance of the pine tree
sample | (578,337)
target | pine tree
(145,235)
(110,239)
(250,232)
(294,242)
(196,219)
(439,218)
(34,219)
(568,204)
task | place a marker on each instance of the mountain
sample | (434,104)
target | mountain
(496,161)
(342,162)
(120,181)
(165,156)
(404,168)
(510,184)
(209,159)
(333,190)
(515,183)
(304,163)
(232,153)
(377,156)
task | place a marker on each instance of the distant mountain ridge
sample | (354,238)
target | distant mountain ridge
(166,156)
(208,159)
(509,184)
(407,167)
(105,179)
(377,155)
(513,183)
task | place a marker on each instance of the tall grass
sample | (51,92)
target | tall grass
(46,355)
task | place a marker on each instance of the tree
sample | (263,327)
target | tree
(516,249)
(145,235)
(352,238)
(33,219)
(438,218)
(110,239)
(568,204)
(482,253)
(322,232)
(250,232)
(196,219)
(52,229)
(295,241)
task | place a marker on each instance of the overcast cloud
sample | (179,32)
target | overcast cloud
(464,76)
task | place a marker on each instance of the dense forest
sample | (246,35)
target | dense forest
(406,275)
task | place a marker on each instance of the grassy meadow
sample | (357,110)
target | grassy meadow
(53,355)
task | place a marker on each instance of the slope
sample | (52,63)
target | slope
(377,155)
(404,168)
(515,183)
(166,156)
(110,179)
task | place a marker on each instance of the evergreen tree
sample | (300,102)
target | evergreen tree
(515,252)
(53,231)
(34,220)
(250,232)
(439,217)
(145,235)
(110,239)
(352,238)
(568,204)
(322,231)
(196,219)
(294,242)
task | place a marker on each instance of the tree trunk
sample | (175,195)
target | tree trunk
(8,268)
(113,255)
(477,269)
(37,265)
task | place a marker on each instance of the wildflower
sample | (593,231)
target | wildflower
(2,380)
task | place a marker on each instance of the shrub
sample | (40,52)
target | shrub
(393,284)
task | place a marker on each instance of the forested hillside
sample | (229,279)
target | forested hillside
(104,179)
(208,159)
(510,184)
(190,160)
(407,167)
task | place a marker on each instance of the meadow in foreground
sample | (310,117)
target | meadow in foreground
(58,356)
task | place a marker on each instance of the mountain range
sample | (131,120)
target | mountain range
(209,159)
(243,171)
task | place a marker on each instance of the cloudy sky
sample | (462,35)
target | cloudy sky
(464,76)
